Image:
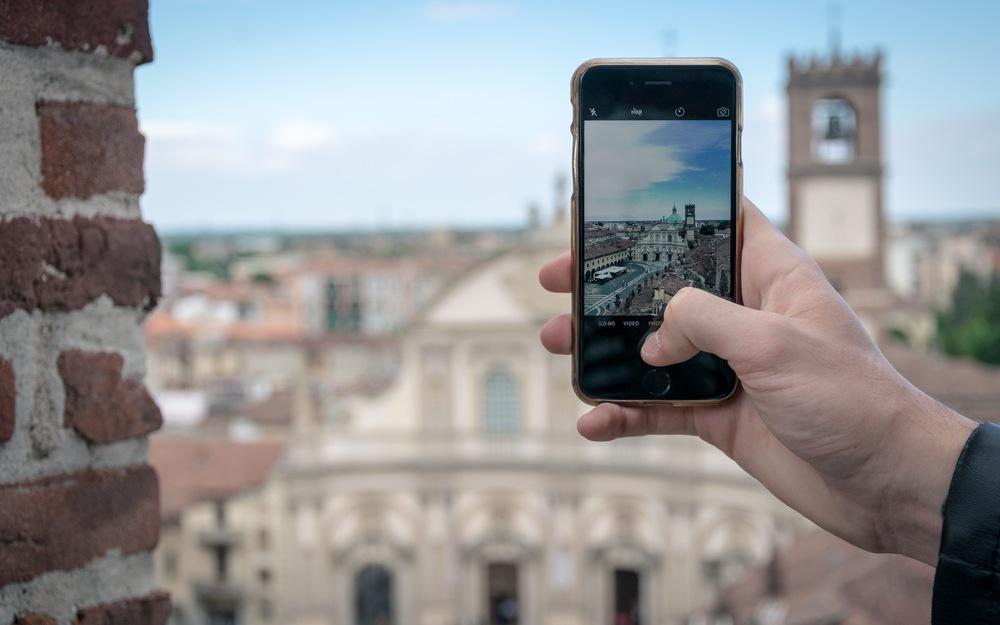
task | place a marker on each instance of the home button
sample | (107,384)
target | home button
(656,382)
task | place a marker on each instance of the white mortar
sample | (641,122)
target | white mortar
(33,74)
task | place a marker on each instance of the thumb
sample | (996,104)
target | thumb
(696,321)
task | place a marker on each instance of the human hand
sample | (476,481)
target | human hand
(823,420)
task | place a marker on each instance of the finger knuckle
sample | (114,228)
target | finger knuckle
(682,301)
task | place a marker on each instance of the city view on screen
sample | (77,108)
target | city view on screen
(657,213)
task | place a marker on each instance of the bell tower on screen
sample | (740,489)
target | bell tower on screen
(835,167)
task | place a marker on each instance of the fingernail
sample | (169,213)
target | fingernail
(651,346)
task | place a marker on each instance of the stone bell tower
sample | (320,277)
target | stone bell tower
(689,221)
(835,169)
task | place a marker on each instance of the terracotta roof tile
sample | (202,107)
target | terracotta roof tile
(607,247)
(192,470)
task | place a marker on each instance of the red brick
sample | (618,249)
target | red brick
(35,619)
(121,26)
(60,265)
(7,400)
(64,522)
(152,609)
(100,405)
(89,149)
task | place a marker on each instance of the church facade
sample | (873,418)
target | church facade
(667,241)
(464,496)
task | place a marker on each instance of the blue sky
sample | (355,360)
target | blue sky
(648,167)
(263,114)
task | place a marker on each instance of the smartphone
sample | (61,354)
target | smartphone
(657,182)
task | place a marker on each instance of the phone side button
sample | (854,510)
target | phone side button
(656,382)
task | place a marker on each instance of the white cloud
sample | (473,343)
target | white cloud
(447,12)
(195,144)
(301,135)
(644,165)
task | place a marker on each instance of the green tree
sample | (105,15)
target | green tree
(971,326)
(185,249)
(262,277)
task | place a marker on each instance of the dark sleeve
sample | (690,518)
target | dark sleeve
(967,582)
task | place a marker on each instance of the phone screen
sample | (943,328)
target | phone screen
(657,194)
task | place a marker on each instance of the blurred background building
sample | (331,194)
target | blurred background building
(364,430)
(460,492)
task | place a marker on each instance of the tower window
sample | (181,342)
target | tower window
(834,129)
(501,402)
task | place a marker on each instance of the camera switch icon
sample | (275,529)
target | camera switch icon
(722,111)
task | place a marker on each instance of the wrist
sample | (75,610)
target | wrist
(929,438)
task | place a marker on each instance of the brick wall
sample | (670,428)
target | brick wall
(79,270)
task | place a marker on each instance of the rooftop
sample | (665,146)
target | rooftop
(835,69)
(592,231)
(195,470)
(966,386)
(607,247)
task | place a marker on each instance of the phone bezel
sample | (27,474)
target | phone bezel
(577,216)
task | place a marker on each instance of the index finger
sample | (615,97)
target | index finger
(606,422)
(557,274)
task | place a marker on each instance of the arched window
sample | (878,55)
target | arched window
(834,128)
(501,402)
(373,596)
